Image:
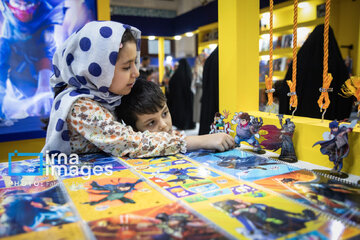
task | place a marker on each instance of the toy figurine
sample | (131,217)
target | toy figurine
(281,138)
(219,124)
(336,145)
(248,126)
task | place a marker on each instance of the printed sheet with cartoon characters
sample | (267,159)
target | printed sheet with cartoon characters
(200,195)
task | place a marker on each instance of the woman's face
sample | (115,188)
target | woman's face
(125,70)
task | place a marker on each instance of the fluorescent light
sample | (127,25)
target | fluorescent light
(177,37)
(189,34)
(151,37)
(304,5)
(212,46)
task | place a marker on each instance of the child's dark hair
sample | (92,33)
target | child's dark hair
(145,97)
(126,37)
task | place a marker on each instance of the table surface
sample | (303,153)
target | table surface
(201,195)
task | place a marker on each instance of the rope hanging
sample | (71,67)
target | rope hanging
(268,79)
(324,100)
(292,84)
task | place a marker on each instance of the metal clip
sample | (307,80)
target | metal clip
(325,89)
(270,90)
(292,114)
(291,94)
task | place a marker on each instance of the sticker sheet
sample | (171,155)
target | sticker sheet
(339,199)
(34,208)
(242,165)
(169,221)
(200,195)
(103,196)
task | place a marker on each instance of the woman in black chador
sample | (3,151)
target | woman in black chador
(181,98)
(310,77)
(210,97)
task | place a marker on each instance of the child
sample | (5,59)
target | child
(94,68)
(145,109)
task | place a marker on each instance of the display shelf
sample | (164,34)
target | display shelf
(289,28)
(207,36)
(308,18)
(279,52)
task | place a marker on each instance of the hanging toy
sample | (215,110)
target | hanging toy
(293,103)
(336,146)
(351,87)
(324,100)
(268,79)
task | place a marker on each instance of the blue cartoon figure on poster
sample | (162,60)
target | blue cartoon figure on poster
(336,145)
(247,129)
(27,45)
(30,32)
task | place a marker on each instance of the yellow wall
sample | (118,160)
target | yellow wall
(103,10)
(238,54)
(345,21)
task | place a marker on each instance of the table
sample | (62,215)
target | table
(201,195)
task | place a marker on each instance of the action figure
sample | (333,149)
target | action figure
(113,192)
(336,144)
(27,46)
(281,138)
(246,130)
(219,125)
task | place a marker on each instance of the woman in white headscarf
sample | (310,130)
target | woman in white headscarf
(94,68)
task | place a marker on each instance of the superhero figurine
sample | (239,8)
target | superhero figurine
(246,130)
(27,46)
(336,145)
(219,125)
(280,138)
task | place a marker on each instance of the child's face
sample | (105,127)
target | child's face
(125,70)
(155,122)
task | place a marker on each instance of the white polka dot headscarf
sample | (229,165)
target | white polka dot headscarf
(85,62)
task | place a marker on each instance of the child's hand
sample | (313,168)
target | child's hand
(218,141)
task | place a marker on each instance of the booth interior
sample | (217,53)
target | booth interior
(296,187)
(241,83)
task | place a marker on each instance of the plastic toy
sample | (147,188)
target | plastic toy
(247,128)
(219,124)
(281,138)
(336,145)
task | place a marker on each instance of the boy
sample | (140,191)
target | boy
(145,108)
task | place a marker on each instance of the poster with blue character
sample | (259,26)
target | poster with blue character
(30,32)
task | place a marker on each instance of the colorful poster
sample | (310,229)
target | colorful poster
(242,165)
(339,199)
(182,177)
(170,221)
(268,217)
(33,208)
(68,231)
(106,196)
(31,30)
